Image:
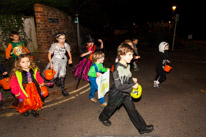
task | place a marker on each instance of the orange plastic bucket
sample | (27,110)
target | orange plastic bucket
(49,74)
(44,91)
(167,68)
(5,83)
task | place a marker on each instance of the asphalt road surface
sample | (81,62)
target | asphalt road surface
(177,109)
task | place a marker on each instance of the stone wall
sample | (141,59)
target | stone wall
(50,21)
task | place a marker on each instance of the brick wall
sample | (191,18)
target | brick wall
(50,21)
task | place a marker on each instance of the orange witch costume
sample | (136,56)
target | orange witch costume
(25,87)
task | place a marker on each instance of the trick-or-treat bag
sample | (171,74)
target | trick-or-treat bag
(103,84)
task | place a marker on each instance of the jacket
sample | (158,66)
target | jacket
(17,80)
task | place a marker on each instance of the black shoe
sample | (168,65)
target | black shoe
(64,93)
(35,113)
(26,113)
(105,122)
(148,129)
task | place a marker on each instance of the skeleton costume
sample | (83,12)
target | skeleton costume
(120,94)
(59,61)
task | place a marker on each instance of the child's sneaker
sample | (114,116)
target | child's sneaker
(158,86)
(103,105)
(93,100)
(155,84)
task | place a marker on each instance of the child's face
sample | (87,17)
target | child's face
(15,37)
(61,39)
(100,60)
(166,47)
(25,63)
(127,57)
(135,42)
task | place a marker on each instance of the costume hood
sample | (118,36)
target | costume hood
(162,46)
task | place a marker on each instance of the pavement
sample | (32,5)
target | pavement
(177,109)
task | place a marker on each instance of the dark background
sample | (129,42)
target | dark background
(98,14)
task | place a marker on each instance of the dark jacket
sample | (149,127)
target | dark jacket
(122,84)
(162,59)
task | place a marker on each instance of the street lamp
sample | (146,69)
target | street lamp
(174,8)
(176,18)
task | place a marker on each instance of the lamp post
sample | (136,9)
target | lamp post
(78,32)
(175,18)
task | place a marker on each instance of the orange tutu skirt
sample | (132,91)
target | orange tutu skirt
(32,102)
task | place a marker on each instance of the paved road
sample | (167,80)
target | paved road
(177,109)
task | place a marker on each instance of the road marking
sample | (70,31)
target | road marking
(65,100)
(56,103)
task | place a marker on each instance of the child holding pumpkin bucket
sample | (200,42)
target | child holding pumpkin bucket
(119,93)
(162,60)
(86,58)
(3,72)
(25,85)
(59,60)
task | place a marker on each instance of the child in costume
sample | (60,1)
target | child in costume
(162,60)
(59,60)
(86,58)
(16,47)
(25,85)
(3,72)
(120,91)
(94,72)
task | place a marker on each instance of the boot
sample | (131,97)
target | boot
(57,82)
(64,92)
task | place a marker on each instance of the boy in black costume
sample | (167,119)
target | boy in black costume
(120,91)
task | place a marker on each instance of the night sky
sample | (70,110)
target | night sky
(123,12)
(120,13)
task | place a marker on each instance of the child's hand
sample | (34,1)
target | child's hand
(42,84)
(70,61)
(51,66)
(99,40)
(137,57)
(136,86)
(108,69)
(5,73)
(98,74)
(89,52)
(168,61)
(134,80)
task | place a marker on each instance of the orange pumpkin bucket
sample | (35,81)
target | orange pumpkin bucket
(167,68)
(44,91)
(49,74)
(5,83)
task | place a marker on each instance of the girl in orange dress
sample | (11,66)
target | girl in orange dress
(25,85)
